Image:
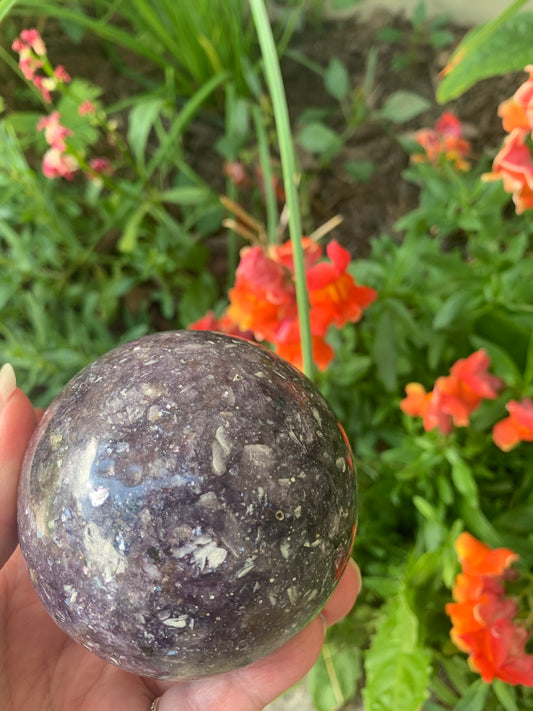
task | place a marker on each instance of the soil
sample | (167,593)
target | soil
(372,207)
(369,208)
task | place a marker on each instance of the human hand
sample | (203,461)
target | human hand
(42,669)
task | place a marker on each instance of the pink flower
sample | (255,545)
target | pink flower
(45,86)
(61,74)
(29,39)
(86,107)
(98,167)
(29,64)
(54,132)
(57,164)
(443,140)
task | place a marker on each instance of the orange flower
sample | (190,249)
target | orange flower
(454,397)
(460,393)
(334,296)
(443,140)
(417,401)
(482,616)
(263,299)
(224,324)
(518,427)
(291,350)
(517,112)
(477,558)
(513,165)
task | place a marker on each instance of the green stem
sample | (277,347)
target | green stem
(231,189)
(288,162)
(266,169)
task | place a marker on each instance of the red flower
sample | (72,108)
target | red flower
(518,427)
(482,616)
(444,140)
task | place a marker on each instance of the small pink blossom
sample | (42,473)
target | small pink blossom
(57,164)
(43,86)
(86,107)
(29,39)
(100,166)
(61,74)
(29,64)
(33,39)
(54,132)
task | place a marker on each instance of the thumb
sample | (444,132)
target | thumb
(17,422)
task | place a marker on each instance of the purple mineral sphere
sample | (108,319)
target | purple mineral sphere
(187,504)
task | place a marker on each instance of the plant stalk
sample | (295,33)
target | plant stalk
(288,163)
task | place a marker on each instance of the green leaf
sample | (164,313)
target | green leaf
(141,121)
(333,679)
(403,106)
(475,697)
(499,327)
(343,4)
(490,57)
(319,139)
(360,170)
(452,309)
(185,195)
(506,695)
(397,665)
(462,477)
(129,237)
(337,79)
(5,7)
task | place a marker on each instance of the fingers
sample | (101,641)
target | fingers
(344,595)
(17,422)
(255,686)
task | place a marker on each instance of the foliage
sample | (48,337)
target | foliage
(484,52)
(213,37)
(99,256)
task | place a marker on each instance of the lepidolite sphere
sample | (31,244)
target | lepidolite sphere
(187,504)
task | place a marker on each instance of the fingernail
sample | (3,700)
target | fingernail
(8,383)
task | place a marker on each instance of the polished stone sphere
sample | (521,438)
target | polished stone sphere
(187,504)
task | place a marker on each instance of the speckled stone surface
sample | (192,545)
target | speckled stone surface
(187,504)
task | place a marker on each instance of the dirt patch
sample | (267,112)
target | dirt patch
(372,207)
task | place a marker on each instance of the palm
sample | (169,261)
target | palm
(41,662)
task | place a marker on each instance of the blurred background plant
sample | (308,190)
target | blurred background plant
(424,343)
